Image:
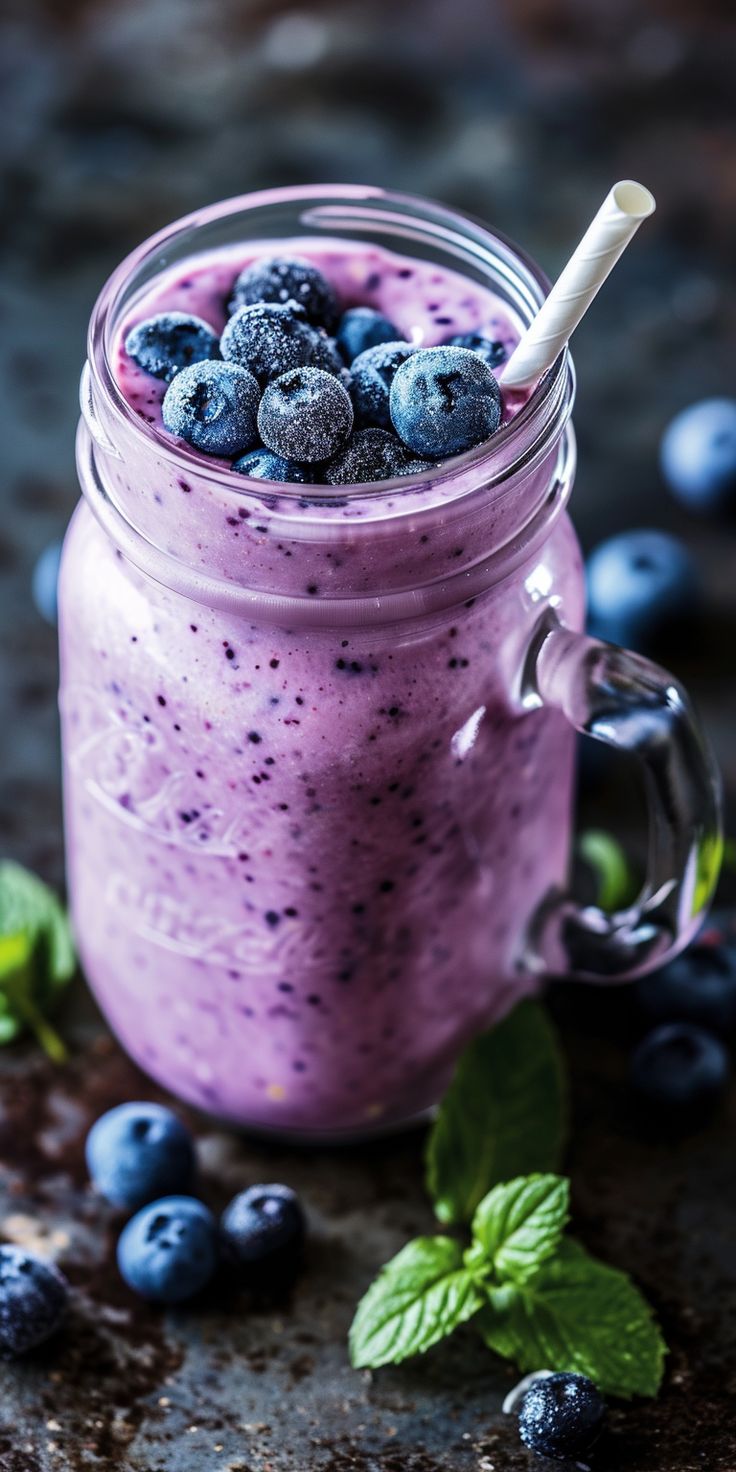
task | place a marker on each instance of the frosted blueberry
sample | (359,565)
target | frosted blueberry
(444,400)
(361,328)
(264,465)
(288,279)
(165,344)
(373,373)
(372,454)
(213,407)
(305,415)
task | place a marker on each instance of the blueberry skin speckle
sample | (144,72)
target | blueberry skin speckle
(699,986)
(138,1152)
(361,328)
(493,353)
(213,406)
(444,401)
(370,455)
(288,279)
(269,339)
(165,344)
(562,1416)
(45,581)
(33,1299)
(679,1072)
(168,1250)
(264,1228)
(305,415)
(373,373)
(698,456)
(264,465)
(642,588)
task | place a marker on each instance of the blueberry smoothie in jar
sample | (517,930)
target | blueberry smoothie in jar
(310,812)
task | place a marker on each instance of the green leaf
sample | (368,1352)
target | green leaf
(519,1224)
(504,1114)
(37,957)
(577,1314)
(417,1299)
(617,886)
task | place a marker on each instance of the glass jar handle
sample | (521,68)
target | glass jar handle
(627,702)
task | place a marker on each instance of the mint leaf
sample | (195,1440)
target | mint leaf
(577,1314)
(418,1298)
(617,886)
(520,1224)
(37,957)
(504,1114)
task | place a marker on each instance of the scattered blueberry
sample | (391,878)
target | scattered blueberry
(168,1250)
(269,339)
(444,401)
(680,1071)
(642,586)
(44,581)
(213,406)
(698,986)
(493,353)
(562,1416)
(165,344)
(361,328)
(698,455)
(138,1152)
(264,1228)
(373,373)
(288,279)
(305,415)
(33,1297)
(264,465)
(372,454)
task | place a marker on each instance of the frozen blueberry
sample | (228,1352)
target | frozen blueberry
(679,1071)
(361,328)
(492,352)
(444,401)
(268,339)
(33,1298)
(137,1152)
(698,455)
(305,415)
(562,1416)
(264,1228)
(264,465)
(168,1250)
(642,589)
(44,581)
(165,344)
(698,986)
(288,279)
(373,373)
(372,454)
(213,406)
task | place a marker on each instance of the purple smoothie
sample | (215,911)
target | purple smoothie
(304,850)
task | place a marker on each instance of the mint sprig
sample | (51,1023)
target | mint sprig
(419,1298)
(37,958)
(504,1114)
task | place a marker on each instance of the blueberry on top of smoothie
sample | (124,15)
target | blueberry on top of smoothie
(288,279)
(305,415)
(269,338)
(372,454)
(33,1297)
(444,400)
(213,407)
(492,352)
(372,374)
(170,341)
(361,328)
(262,464)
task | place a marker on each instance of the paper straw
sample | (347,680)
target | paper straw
(607,236)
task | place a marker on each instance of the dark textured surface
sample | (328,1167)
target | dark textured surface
(117,117)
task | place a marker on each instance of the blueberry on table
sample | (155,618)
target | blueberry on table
(698,456)
(370,455)
(268,339)
(698,986)
(305,415)
(642,588)
(444,401)
(138,1152)
(288,279)
(264,465)
(680,1071)
(562,1416)
(361,328)
(372,374)
(213,406)
(33,1298)
(264,1228)
(492,352)
(168,1250)
(165,344)
(45,580)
